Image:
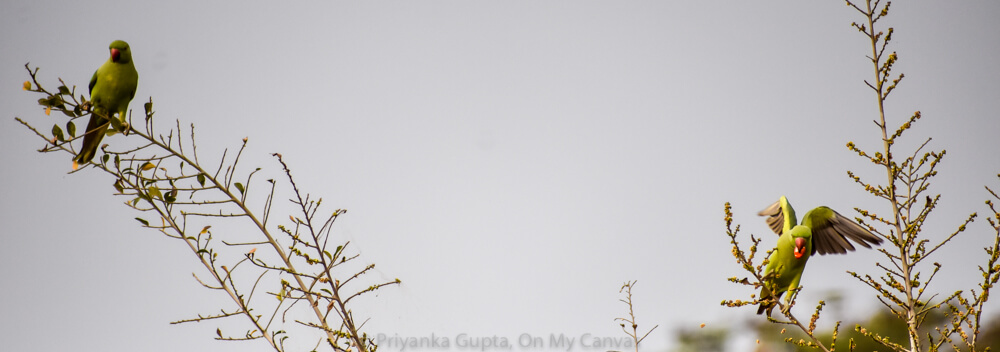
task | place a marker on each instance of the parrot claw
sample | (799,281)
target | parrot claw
(125,126)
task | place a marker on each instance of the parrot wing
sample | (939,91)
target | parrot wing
(780,216)
(93,81)
(831,231)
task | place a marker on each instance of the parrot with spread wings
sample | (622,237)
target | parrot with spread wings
(822,231)
(111,89)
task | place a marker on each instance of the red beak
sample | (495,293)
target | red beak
(800,247)
(115,54)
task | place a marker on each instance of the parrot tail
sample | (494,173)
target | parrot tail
(92,139)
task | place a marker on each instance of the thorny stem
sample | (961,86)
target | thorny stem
(891,173)
(345,315)
(191,243)
(140,183)
(260,226)
(634,334)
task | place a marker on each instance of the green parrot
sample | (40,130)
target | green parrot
(823,231)
(111,89)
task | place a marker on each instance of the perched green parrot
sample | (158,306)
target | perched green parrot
(111,89)
(823,231)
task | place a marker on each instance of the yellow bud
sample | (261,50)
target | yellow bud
(27,85)
(48,110)
(703,325)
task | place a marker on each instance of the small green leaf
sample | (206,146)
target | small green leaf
(148,107)
(118,161)
(58,133)
(201,179)
(171,196)
(50,101)
(71,128)
(118,186)
(116,124)
(239,186)
(64,90)
(147,166)
(154,192)
(143,221)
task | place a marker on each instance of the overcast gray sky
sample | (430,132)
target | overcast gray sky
(512,162)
